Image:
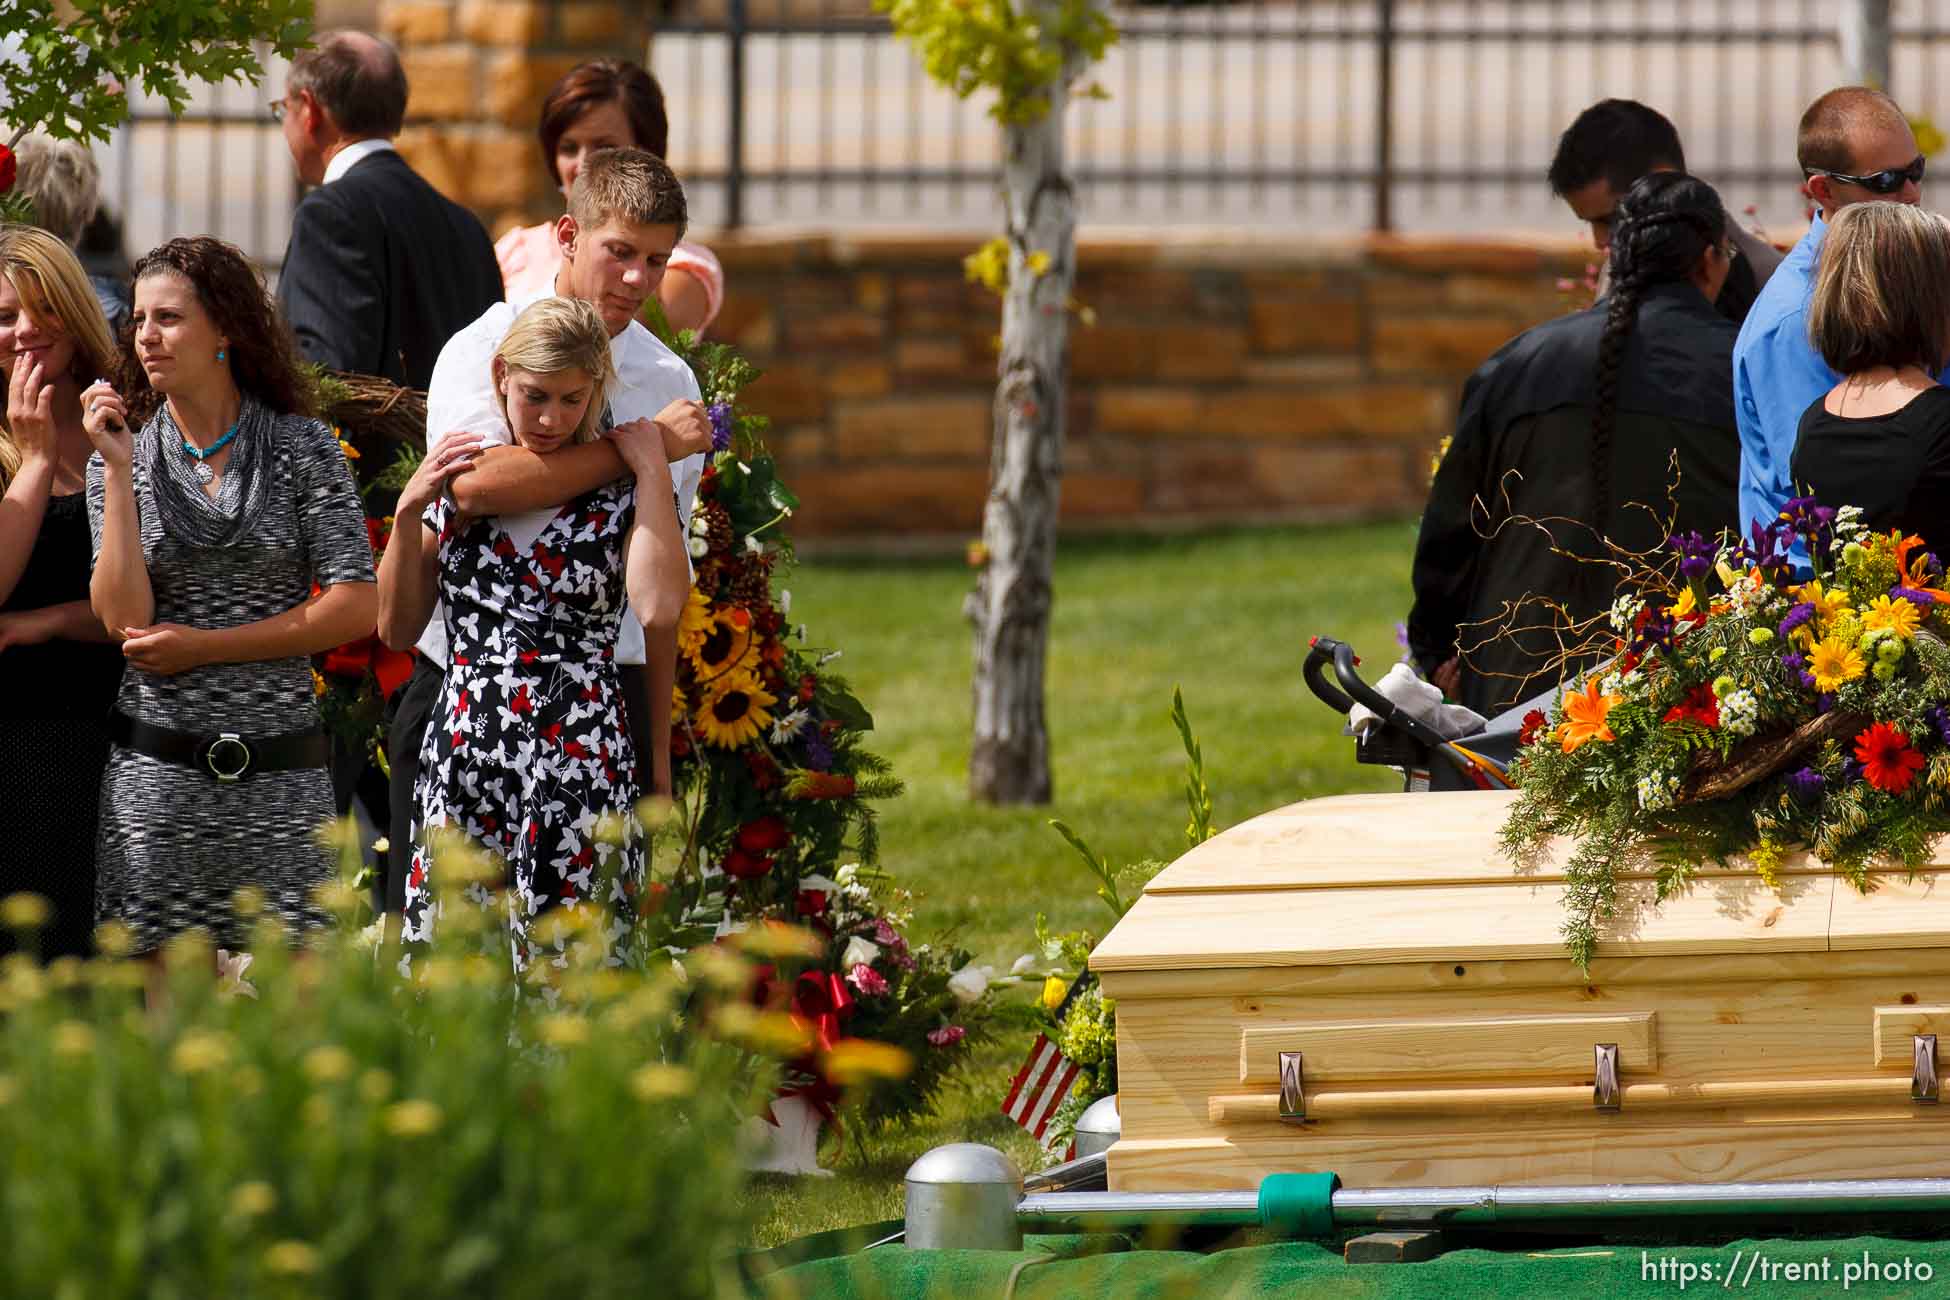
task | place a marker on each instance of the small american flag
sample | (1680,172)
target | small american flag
(1040,1086)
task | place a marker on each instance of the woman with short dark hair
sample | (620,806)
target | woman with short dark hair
(1595,433)
(1880,315)
(230,545)
(607,104)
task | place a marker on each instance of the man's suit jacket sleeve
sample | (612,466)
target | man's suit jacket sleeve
(331,289)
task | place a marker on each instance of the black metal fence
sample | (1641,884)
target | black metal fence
(1256,115)
(1414,114)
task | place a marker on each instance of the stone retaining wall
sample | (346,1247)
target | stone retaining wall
(1220,382)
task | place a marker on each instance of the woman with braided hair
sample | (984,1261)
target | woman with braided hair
(1610,427)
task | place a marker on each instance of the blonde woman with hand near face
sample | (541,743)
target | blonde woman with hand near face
(55,657)
(529,749)
(218,505)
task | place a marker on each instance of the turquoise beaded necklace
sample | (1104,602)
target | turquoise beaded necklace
(201,455)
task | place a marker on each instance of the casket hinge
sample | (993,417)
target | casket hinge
(1922,1074)
(1604,1091)
(1293,1089)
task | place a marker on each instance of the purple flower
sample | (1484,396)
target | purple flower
(1806,785)
(720,413)
(1921,599)
(819,755)
(1940,719)
(1695,552)
(1851,771)
(1795,618)
(1793,662)
(1767,550)
(1826,703)
(1808,683)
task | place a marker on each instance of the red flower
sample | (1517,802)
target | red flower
(653,898)
(1701,705)
(1888,760)
(821,785)
(680,743)
(766,835)
(740,865)
(1533,722)
(812,902)
(807,685)
(765,773)
(8,167)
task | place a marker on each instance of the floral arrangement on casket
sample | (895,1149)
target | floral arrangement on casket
(1747,713)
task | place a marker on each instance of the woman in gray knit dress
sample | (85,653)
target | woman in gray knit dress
(229,546)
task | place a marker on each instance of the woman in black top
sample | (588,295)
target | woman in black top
(1570,438)
(58,670)
(1880,314)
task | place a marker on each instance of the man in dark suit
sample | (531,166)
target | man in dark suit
(381,269)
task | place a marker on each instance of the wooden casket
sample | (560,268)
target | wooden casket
(1365,984)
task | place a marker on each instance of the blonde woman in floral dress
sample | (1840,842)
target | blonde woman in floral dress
(528,752)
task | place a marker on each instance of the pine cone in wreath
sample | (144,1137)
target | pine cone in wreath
(751,585)
(717,527)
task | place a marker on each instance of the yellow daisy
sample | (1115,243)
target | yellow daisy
(1900,618)
(1833,662)
(695,624)
(735,711)
(1827,603)
(1684,605)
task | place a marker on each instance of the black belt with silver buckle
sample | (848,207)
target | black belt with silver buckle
(226,756)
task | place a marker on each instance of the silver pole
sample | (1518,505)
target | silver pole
(1109,1211)
(1486,1206)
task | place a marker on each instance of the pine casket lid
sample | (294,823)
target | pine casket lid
(1398,878)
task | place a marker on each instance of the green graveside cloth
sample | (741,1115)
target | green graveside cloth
(1047,1269)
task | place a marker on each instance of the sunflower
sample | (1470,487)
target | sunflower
(725,648)
(1834,661)
(734,712)
(1899,618)
(695,624)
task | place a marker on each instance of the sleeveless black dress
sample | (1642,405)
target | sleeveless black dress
(54,702)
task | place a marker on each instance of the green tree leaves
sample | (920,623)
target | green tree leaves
(971,45)
(72,74)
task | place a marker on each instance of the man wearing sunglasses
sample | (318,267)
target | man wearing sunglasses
(1855,146)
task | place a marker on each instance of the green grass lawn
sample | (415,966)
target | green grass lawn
(1224,616)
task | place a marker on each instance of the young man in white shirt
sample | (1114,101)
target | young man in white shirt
(626,214)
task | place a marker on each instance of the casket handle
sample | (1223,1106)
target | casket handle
(1247,1108)
(1293,1089)
(1922,1078)
(1604,1091)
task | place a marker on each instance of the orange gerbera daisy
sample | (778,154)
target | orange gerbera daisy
(1584,716)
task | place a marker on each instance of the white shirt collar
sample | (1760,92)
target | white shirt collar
(356,152)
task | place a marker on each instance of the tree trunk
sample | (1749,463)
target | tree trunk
(1863,33)
(1009,759)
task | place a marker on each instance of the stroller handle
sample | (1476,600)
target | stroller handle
(1321,653)
(1341,654)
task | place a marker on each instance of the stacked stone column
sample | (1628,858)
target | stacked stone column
(478,70)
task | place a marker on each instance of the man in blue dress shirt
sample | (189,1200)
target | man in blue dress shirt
(1854,146)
